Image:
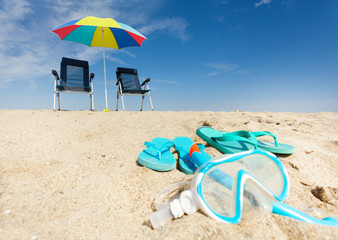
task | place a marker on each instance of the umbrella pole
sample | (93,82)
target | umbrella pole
(104,69)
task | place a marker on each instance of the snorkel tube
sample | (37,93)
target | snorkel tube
(288,211)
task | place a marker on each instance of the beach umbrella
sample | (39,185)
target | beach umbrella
(100,32)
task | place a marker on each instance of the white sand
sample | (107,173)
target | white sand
(74,174)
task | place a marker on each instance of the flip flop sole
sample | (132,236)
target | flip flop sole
(281,149)
(155,164)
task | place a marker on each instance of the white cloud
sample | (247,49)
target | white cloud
(235,28)
(220,19)
(70,10)
(16,68)
(19,59)
(174,26)
(127,53)
(262,2)
(213,74)
(222,68)
(16,9)
(95,55)
(165,81)
(12,30)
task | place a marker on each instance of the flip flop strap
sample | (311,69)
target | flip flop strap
(242,136)
(154,151)
(266,133)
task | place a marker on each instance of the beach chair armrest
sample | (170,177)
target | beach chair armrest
(92,75)
(145,81)
(55,73)
(118,80)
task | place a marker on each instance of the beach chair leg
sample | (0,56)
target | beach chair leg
(91,102)
(122,102)
(151,103)
(58,95)
(142,102)
(54,101)
(117,102)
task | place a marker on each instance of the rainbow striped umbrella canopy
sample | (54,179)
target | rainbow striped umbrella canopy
(100,32)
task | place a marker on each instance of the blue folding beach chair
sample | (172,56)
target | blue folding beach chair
(128,84)
(74,78)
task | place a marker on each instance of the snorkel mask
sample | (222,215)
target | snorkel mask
(229,185)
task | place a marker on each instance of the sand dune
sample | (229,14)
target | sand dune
(74,174)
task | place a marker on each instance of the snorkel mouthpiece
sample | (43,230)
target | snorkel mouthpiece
(161,216)
(185,203)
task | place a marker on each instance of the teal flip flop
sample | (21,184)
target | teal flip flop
(185,163)
(157,155)
(233,142)
(274,147)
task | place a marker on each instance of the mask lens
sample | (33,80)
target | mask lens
(217,184)
(264,169)
(261,167)
(217,196)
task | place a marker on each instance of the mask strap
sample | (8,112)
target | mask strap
(170,189)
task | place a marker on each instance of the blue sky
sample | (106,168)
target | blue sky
(215,55)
